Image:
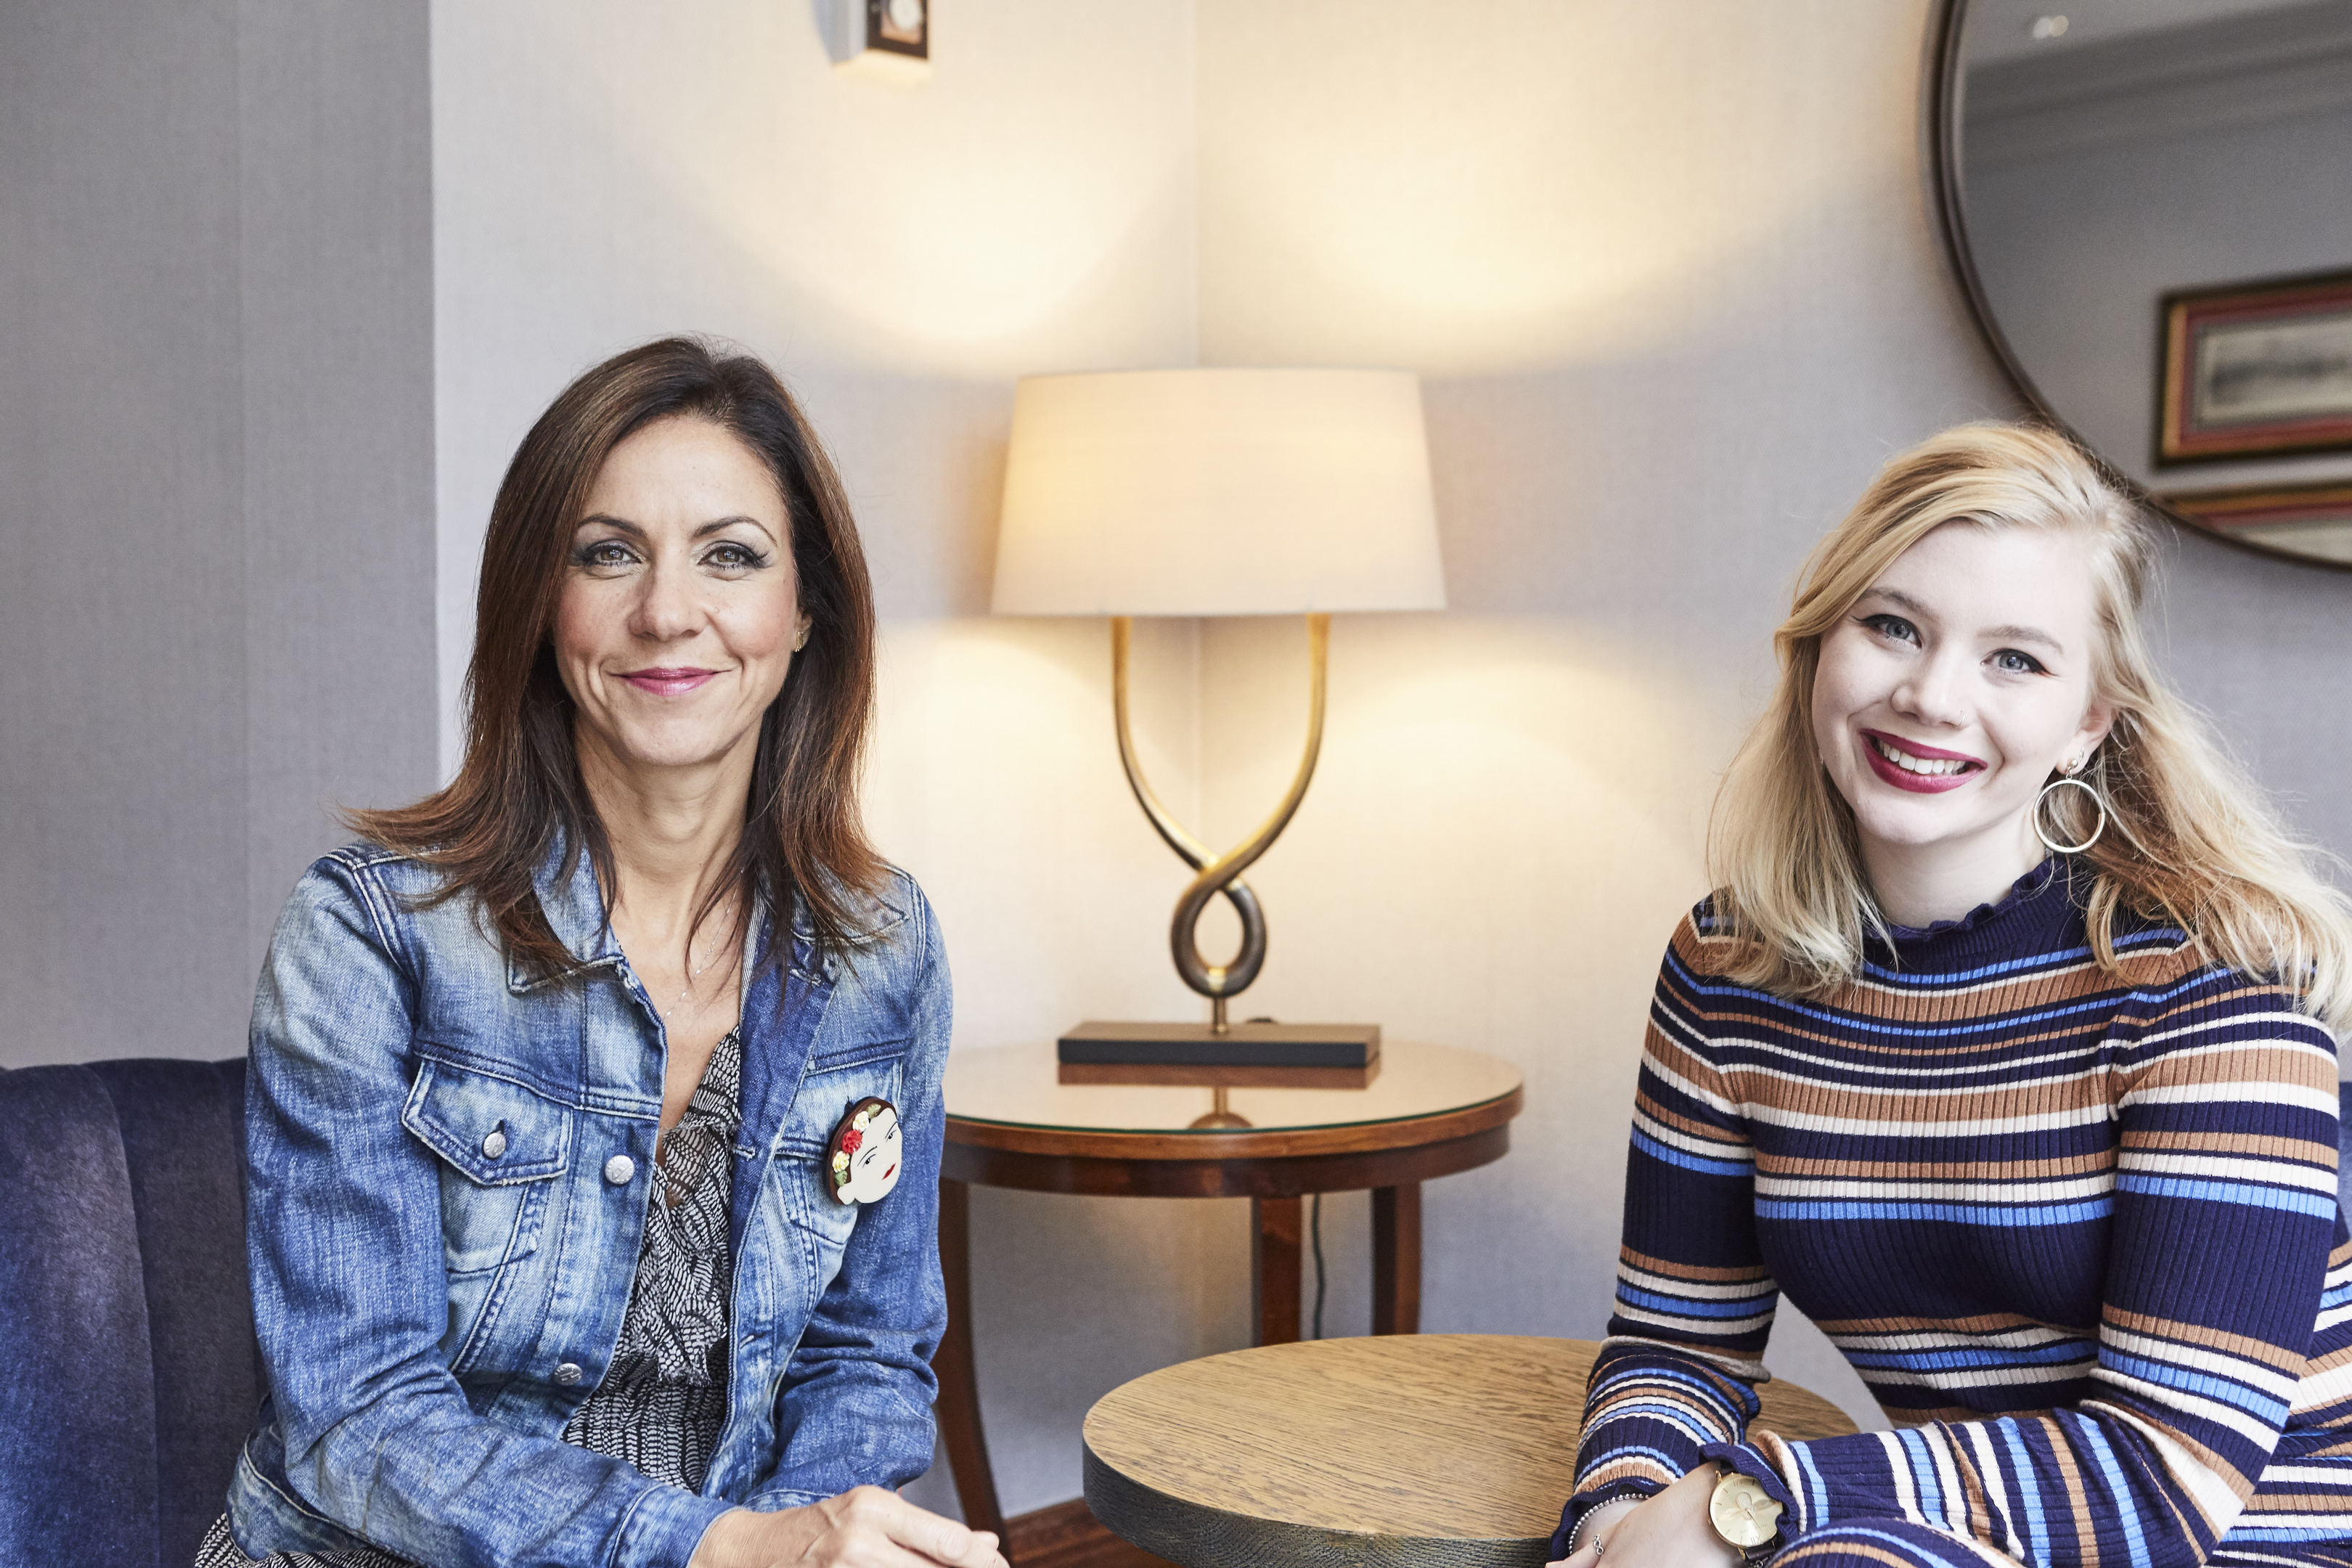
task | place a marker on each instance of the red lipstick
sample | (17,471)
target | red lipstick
(1918,784)
(674,682)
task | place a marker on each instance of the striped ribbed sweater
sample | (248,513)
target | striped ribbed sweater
(2076,1229)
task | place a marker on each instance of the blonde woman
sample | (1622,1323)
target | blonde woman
(2006,1049)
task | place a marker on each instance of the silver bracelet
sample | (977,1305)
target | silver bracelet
(1596,1508)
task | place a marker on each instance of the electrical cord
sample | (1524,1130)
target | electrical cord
(1315,1230)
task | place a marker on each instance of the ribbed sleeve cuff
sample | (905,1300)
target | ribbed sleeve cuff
(1754,1463)
(664,1526)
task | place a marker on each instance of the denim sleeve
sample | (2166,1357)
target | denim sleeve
(856,1408)
(343,1233)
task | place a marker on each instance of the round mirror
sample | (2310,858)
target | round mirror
(2149,203)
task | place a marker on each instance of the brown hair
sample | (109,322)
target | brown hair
(2192,839)
(518,790)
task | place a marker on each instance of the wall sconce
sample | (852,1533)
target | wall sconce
(884,40)
(1219,493)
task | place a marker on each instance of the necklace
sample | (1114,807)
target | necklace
(694,972)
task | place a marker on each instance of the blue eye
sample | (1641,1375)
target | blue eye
(2013,662)
(1893,627)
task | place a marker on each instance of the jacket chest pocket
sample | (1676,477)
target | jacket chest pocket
(497,1148)
(829,1088)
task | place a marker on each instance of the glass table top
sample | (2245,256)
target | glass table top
(1014,1085)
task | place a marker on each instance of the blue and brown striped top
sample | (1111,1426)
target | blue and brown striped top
(2076,1229)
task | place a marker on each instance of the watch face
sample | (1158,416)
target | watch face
(1743,1513)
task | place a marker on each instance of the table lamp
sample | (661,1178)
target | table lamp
(1218,492)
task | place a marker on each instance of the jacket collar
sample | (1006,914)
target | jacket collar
(574,907)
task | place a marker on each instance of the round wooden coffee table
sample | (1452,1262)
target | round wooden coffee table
(1443,1450)
(1430,1110)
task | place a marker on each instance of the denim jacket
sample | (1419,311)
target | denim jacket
(434,1303)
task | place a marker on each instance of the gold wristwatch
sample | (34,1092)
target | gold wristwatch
(1746,1517)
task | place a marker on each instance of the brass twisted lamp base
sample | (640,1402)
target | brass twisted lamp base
(1220,1054)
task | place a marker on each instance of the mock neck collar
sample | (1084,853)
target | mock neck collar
(2022,917)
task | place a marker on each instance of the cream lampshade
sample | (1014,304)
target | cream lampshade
(1218,492)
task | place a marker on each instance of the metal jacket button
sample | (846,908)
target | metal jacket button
(495,1144)
(619,1168)
(568,1374)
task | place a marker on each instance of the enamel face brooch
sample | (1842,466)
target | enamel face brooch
(862,1161)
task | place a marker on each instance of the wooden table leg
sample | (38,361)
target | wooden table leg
(1274,1268)
(959,1402)
(1396,1258)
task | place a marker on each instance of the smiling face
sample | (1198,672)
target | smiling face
(680,610)
(1945,696)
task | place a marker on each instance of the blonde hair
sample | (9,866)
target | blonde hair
(2189,838)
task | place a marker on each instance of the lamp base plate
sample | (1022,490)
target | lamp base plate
(1255,1048)
(1177,1074)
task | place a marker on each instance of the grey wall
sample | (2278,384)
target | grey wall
(215,491)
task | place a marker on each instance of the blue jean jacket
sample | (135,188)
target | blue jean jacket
(434,1303)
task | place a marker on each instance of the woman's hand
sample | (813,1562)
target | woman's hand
(1667,1530)
(865,1528)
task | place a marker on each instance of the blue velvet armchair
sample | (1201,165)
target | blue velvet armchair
(128,1368)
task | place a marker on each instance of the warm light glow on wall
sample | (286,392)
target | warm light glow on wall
(939,222)
(1483,212)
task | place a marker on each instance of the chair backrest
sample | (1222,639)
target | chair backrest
(128,1374)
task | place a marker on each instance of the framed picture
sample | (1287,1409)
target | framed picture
(2254,369)
(2313,520)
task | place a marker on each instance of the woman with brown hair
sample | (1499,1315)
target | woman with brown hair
(556,1249)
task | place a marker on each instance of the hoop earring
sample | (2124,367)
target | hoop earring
(2042,799)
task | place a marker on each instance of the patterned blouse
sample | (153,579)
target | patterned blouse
(665,1397)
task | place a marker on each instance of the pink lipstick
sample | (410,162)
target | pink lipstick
(1877,745)
(669,682)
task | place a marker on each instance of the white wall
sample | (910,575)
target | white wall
(1671,278)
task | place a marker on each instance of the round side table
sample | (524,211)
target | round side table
(1442,1451)
(1431,1112)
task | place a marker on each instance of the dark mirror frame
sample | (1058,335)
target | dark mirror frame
(1943,73)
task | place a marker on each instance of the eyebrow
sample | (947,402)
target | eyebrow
(2004,634)
(715,525)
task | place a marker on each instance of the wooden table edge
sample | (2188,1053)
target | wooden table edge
(1170,1526)
(1196,1532)
(1249,1143)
